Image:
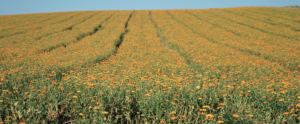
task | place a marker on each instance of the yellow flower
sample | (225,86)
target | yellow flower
(80,114)
(75,97)
(198,87)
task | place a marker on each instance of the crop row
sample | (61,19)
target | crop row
(242,30)
(237,72)
(91,48)
(142,56)
(29,43)
(33,27)
(49,66)
(51,26)
(135,85)
(14,21)
(280,22)
(279,13)
(72,54)
(174,66)
(288,57)
(265,27)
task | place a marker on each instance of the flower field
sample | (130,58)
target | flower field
(231,65)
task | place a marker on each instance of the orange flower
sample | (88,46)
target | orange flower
(286,113)
(203,110)
(210,116)
(206,106)
(105,112)
(235,115)
(173,112)
(220,122)
(180,80)
(221,103)
(96,107)
(173,118)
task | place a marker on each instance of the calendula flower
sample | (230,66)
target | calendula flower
(203,110)
(235,115)
(210,116)
(173,112)
(286,113)
(220,122)
(173,118)
(206,106)
(96,107)
(221,104)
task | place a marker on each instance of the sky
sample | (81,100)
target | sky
(9,7)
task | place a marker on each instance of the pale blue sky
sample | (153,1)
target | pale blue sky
(8,7)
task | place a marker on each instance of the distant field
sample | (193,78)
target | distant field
(233,65)
(292,7)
